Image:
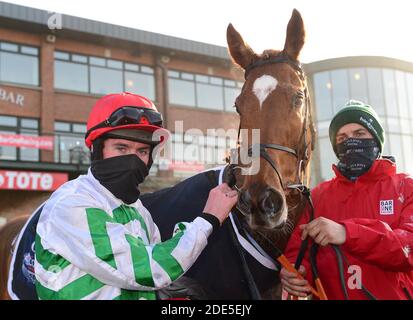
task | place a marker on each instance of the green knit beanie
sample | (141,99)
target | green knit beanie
(357,112)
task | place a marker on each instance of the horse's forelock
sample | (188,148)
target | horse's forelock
(269,54)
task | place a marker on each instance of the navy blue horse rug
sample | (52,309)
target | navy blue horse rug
(229,267)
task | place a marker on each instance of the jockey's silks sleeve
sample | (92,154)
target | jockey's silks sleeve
(90,245)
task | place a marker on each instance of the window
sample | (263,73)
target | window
(402,93)
(375,90)
(182,92)
(396,149)
(97,61)
(8,121)
(79,58)
(102,76)
(409,88)
(9,47)
(210,96)
(71,76)
(230,95)
(393,124)
(405,126)
(187,76)
(327,158)
(358,84)
(386,150)
(70,143)
(29,123)
(390,92)
(19,126)
(322,128)
(322,88)
(62,126)
(114,64)
(340,90)
(141,83)
(19,64)
(202,91)
(131,67)
(104,81)
(79,128)
(408,153)
(29,154)
(61,55)
(6,152)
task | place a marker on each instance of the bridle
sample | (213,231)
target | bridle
(302,158)
(263,147)
(300,186)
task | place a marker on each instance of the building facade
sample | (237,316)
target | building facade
(50,79)
(51,75)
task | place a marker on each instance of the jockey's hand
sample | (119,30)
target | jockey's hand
(292,284)
(324,231)
(220,201)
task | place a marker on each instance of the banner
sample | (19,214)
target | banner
(17,140)
(31,181)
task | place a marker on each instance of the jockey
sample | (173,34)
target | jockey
(95,239)
(363,218)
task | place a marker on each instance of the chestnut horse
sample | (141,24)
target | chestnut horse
(274,99)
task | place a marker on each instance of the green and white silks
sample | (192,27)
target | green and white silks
(90,245)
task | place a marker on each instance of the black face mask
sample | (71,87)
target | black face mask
(356,156)
(121,176)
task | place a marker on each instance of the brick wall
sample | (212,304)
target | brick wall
(49,106)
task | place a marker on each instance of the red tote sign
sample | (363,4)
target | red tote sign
(26,180)
(17,140)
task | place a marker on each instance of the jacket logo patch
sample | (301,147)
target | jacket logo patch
(386,207)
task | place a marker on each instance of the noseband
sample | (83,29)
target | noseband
(264,154)
(264,147)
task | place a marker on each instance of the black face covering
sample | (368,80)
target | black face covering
(121,176)
(356,156)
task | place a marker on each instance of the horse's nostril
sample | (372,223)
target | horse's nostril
(271,202)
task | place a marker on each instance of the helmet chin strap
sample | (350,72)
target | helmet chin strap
(96,149)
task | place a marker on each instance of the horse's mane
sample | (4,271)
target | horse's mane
(7,235)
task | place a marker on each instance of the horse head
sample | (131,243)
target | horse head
(274,100)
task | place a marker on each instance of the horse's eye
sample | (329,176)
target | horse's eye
(298,100)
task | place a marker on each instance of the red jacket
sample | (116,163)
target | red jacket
(377,212)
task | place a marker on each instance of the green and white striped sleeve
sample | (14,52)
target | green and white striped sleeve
(103,246)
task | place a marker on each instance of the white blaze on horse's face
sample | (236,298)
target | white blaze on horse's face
(263,86)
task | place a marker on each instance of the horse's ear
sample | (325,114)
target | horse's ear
(240,52)
(295,39)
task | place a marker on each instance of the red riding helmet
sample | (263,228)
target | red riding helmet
(123,111)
